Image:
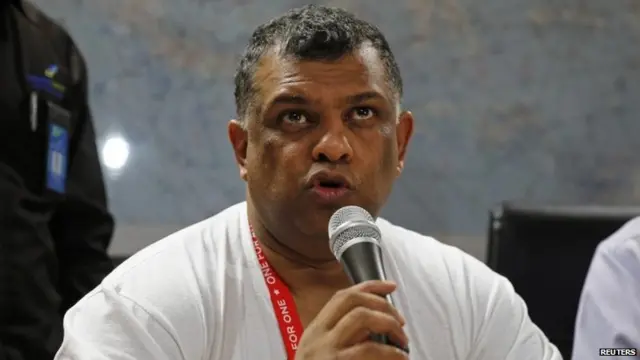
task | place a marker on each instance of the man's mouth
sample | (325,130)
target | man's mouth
(330,189)
(329,180)
(330,184)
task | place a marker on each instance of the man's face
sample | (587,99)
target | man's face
(322,135)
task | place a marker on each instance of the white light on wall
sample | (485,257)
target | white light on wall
(115,153)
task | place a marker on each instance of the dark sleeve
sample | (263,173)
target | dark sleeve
(82,225)
(30,325)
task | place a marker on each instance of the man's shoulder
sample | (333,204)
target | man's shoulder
(397,236)
(442,278)
(192,249)
(427,257)
(176,283)
(414,245)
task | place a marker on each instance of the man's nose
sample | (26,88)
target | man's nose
(334,145)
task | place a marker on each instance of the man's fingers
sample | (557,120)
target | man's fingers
(367,294)
(358,324)
(372,351)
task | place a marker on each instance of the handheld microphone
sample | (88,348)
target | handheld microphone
(354,239)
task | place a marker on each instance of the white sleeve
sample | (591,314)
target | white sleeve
(108,325)
(502,329)
(609,311)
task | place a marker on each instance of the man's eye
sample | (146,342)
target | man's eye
(363,113)
(294,117)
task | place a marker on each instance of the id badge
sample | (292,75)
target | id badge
(57,148)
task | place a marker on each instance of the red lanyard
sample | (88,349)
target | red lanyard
(284,306)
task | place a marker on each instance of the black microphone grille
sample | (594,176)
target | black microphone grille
(351,222)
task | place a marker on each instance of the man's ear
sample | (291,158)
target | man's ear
(238,137)
(404,130)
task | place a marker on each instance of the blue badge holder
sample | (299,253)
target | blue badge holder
(57,162)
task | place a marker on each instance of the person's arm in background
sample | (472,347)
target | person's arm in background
(609,310)
(82,226)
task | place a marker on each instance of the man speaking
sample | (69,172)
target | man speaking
(319,128)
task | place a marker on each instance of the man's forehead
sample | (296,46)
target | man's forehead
(359,71)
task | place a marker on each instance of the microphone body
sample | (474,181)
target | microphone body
(363,261)
(355,241)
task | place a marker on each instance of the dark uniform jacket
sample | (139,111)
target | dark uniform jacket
(54,223)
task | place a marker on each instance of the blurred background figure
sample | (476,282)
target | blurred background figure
(609,312)
(54,223)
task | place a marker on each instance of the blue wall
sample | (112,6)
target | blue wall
(515,99)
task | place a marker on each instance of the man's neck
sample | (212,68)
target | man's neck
(299,266)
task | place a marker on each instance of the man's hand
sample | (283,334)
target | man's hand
(342,328)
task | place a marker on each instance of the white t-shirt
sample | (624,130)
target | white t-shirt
(199,295)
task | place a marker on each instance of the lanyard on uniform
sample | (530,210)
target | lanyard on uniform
(284,306)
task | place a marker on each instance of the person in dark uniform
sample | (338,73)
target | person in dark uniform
(54,224)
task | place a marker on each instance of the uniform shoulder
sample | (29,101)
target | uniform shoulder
(42,20)
(62,41)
